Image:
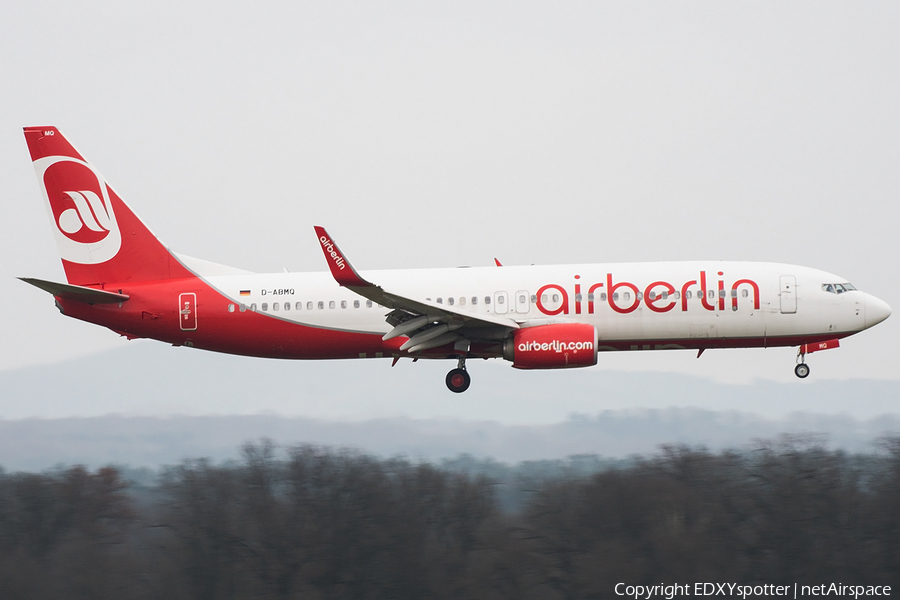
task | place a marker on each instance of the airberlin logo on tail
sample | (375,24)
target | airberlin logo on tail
(332,252)
(89,215)
(79,200)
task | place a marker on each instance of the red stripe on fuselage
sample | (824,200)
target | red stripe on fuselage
(153,312)
(711,343)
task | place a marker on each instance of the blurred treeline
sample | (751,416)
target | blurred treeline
(316,523)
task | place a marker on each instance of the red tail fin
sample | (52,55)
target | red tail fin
(100,240)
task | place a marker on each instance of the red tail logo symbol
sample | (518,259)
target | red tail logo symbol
(89,213)
(78,197)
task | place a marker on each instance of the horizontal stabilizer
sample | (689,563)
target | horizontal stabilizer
(76,293)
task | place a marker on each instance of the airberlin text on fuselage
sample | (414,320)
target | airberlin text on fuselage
(659,296)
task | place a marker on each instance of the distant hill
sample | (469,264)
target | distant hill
(152,379)
(37,444)
(149,405)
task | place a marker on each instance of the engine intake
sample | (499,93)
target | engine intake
(558,346)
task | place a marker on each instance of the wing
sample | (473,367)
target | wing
(427,324)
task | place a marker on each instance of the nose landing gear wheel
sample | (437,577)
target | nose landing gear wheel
(801,370)
(458,380)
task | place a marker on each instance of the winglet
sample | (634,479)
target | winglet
(497,262)
(341,269)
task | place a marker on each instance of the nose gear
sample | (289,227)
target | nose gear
(802,369)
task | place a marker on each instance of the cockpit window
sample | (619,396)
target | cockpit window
(837,288)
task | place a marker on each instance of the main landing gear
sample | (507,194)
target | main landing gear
(458,379)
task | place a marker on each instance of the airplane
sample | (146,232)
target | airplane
(120,276)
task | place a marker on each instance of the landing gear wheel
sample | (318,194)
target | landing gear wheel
(458,380)
(801,370)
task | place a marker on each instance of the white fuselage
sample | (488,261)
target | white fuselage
(644,303)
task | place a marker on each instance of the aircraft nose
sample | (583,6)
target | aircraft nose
(876,310)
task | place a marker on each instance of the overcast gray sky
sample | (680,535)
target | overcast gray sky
(427,134)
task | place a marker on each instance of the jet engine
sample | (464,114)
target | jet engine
(557,346)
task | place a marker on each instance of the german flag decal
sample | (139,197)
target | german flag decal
(245,292)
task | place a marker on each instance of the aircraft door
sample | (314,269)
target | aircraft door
(187,311)
(501,303)
(523,303)
(788,294)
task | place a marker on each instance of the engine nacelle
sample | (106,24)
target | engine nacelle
(556,346)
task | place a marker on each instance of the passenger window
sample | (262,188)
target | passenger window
(591,297)
(534,298)
(299,306)
(331,304)
(615,296)
(253,306)
(721,293)
(356,304)
(368,304)
(243,307)
(500,299)
(265,306)
(688,295)
(474,300)
(309,305)
(627,296)
(555,298)
(543,298)
(287,306)
(231,308)
(602,296)
(678,295)
(577,298)
(321,304)
(652,296)
(712,294)
(274,306)
(440,300)
(665,295)
(343,304)
(487,299)
(450,300)
(734,293)
(745,293)
(462,301)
